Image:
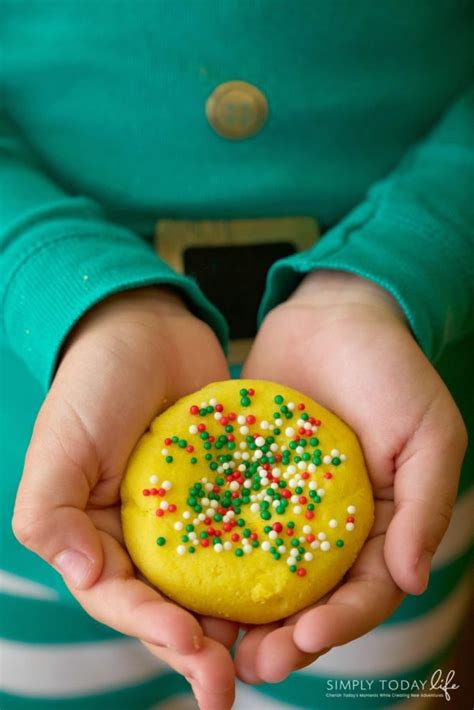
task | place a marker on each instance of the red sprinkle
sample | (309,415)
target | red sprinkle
(235,537)
(227,527)
(302,500)
(161,492)
(250,419)
(160,513)
(310,538)
(253,536)
(154,492)
(251,391)
(232,416)
(194,409)
(305,475)
(146,492)
(190,449)
(201,427)
(290,531)
(168,442)
(301,572)
(277,527)
(286,493)
(219,408)
(301,406)
(328,475)
(205,542)
(350,519)
(223,421)
(172,508)
(207,521)
(309,515)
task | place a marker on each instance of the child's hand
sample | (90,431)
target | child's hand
(343,341)
(129,357)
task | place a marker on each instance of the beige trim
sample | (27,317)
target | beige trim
(174,236)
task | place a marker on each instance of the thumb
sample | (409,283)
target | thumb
(60,471)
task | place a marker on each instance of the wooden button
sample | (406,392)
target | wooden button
(236,110)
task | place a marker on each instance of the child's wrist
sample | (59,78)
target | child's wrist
(342,289)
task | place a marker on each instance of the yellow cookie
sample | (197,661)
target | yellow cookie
(246,500)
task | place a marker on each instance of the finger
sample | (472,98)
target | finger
(246,654)
(210,672)
(426,482)
(221,630)
(131,607)
(49,516)
(368,598)
(277,655)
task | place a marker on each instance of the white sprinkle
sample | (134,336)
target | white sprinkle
(302,465)
(181,549)
(166,485)
(213,402)
(274,486)
(193,429)
(258,454)
(281,549)
(205,501)
(203,405)
(217,415)
(301,422)
(315,544)
(321,536)
(260,441)
(306,529)
(186,514)
(292,482)
(294,552)
(178,525)
(291,405)
(273,447)
(297,509)
(209,486)
(327,459)
(241,419)
(218,547)
(278,422)
(300,450)
(265,545)
(196,521)
(247,483)
(294,499)
(276,472)
(350,527)
(334,452)
(214,504)
(343,457)
(234,486)
(244,430)
(312,485)
(325,546)
(273,534)
(245,455)
(192,535)
(351,509)
(254,508)
(264,481)
(248,549)
(301,539)
(264,424)
(289,431)
(209,512)
(321,492)
(164,505)
(307,556)
(164,452)
(228,545)
(237,455)
(289,561)
(291,469)
(276,503)
(311,468)
(333,523)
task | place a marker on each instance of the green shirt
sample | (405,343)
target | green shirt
(103,132)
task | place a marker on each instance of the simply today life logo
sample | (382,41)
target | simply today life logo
(438,685)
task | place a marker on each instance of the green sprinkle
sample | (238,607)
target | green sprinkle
(241,522)
(203,534)
(182,443)
(292,568)
(245,402)
(290,524)
(265,515)
(243,392)
(267,528)
(314,441)
(161,541)
(340,543)
(184,538)
(218,517)
(189,527)
(336,461)
(278,399)
(239,552)
(193,460)
(191,549)
(169,459)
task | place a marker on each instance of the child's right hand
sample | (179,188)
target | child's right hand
(128,358)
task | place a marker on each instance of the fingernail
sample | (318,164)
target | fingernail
(197,642)
(423,569)
(74,566)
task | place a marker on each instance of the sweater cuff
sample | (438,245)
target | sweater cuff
(52,285)
(403,256)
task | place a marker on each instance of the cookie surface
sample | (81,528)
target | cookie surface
(246,500)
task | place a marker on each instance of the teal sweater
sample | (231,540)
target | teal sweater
(103,132)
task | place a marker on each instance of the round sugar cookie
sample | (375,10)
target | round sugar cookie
(246,500)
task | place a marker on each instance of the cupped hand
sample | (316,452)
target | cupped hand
(343,341)
(127,359)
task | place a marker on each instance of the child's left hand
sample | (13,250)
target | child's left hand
(343,341)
